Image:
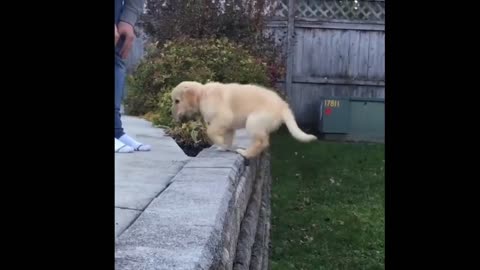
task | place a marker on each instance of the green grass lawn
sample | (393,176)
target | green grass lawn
(327,205)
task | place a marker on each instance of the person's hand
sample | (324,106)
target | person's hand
(117,35)
(125,30)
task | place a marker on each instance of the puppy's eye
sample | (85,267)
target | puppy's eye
(177,101)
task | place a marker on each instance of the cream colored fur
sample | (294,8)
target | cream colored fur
(228,107)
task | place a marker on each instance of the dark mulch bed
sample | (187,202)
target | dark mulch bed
(192,150)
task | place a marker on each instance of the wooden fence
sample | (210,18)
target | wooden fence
(333,48)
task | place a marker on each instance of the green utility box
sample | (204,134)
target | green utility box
(357,119)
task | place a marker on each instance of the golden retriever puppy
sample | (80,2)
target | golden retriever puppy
(228,107)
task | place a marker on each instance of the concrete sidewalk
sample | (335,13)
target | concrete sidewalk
(142,176)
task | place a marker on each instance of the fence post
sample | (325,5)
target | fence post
(290,44)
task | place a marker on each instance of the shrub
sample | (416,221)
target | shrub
(240,21)
(185,59)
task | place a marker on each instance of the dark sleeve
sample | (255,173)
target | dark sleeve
(131,11)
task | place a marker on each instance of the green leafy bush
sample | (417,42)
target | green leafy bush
(242,22)
(187,59)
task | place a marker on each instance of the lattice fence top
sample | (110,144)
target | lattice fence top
(365,10)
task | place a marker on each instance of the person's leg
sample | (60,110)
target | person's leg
(119,84)
(120,147)
(122,140)
(119,75)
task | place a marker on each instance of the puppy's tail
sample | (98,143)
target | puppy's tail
(292,126)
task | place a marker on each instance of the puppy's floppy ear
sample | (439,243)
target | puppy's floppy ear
(191,97)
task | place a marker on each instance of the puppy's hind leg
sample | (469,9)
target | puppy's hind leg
(259,143)
(258,126)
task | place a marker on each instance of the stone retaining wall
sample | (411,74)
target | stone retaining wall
(215,214)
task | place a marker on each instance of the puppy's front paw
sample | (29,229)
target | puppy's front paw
(242,152)
(221,148)
(227,148)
